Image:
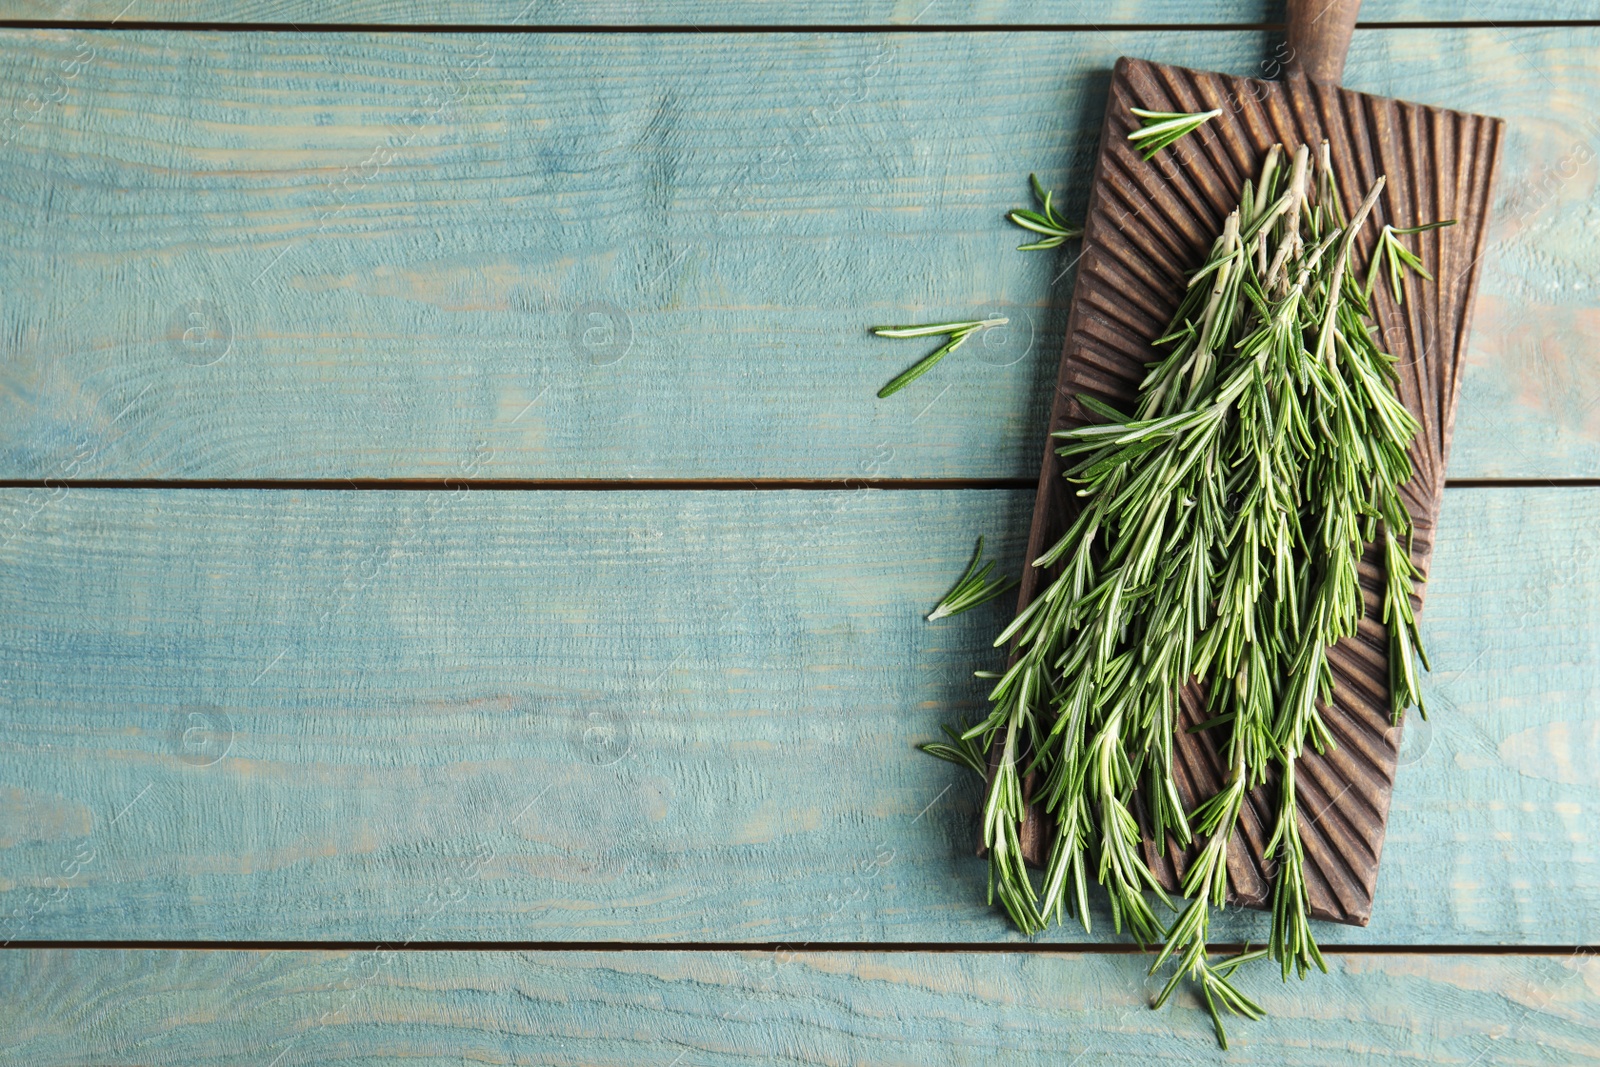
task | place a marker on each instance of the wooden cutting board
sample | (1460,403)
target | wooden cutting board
(1148,225)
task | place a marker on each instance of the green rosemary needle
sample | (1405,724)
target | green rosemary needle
(958,332)
(1158,129)
(972,589)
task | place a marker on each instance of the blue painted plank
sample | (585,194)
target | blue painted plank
(290,1009)
(275,256)
(713,13)
(656,716)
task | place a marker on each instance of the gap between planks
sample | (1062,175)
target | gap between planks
(137,25)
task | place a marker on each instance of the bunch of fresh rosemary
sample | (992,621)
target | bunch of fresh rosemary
(1220,529)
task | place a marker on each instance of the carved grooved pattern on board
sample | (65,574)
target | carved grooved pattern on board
(1148,224)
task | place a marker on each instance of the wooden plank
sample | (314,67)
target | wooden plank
(657,716)
(713,13)
(130,1007)
(268,256)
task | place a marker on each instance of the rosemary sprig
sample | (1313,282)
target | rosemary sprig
(957,332)
(1220,529)
(1395,258)
(1047,220)
(973,588)
(1158,129)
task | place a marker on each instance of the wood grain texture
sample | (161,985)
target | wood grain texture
(274,256)
(662,716)
(1149,225)
(122,1008)
(709,14)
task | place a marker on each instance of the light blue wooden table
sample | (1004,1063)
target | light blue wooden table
(462,599)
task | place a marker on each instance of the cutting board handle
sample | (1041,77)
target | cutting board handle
(1319,37)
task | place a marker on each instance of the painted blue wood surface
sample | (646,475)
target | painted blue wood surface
(312,715)
(293,1009)
(285,256)
(712,13)
(657,716)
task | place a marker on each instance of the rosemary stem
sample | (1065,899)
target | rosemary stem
(1336,285)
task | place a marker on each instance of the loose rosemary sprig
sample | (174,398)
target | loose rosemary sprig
(958,332)
(1158,129)
(1221,527)
(1047,221)
(973,588)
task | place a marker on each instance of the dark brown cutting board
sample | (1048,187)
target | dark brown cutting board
(1150,223)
